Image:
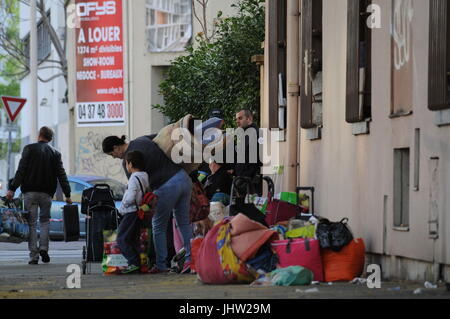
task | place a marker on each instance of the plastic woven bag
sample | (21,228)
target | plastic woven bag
(292,276)
(13,225)
(113,260)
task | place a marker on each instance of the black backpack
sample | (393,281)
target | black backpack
(334,236)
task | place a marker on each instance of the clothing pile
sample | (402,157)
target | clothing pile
(13,224)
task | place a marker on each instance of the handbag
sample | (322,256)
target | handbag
(300,252)
(334,235)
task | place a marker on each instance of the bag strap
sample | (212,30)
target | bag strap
(344,220)
(142,190)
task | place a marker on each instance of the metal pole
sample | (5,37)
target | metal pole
(293,93)
(33,72)
(8,171)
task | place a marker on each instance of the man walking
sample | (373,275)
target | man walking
(39,171)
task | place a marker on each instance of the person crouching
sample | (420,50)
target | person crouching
(129,228)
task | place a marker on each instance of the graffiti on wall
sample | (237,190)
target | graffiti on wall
(401,32)
(91,160)
(402,56)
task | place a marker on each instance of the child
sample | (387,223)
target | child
(128,233)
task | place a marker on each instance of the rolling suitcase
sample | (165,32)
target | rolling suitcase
(71,223)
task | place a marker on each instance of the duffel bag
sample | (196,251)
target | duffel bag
(300,252)
(346,264)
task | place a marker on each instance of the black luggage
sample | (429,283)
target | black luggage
(71,223)
(101,214)
(238,198)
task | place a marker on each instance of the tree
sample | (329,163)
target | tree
(14,47)
(218,72)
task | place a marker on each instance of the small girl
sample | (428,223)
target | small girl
(129,228)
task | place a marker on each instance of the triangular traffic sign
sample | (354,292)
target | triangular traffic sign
(13,106)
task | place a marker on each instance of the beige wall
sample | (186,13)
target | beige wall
(353,174)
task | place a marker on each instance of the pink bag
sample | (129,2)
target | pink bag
(300,252)
(178,241)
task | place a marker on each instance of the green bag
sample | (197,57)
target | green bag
(292,276)
(287,197)
(302,232)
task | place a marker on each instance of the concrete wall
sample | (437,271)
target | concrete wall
(354,175)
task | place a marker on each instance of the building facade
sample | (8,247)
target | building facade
(52,88)
(368,121)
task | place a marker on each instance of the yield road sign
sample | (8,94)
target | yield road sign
(13,106)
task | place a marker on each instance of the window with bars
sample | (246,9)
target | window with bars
(311,70)
(277,62)
(439,56)
(359,62)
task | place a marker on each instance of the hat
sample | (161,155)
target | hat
(216,113)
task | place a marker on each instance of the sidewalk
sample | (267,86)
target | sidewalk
(18,280)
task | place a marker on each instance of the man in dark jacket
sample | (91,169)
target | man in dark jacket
(250,166)
(39,171)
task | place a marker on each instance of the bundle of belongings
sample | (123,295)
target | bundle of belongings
(13,223)
(239,250)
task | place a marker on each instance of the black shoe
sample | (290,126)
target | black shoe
(45,257)
(33,262)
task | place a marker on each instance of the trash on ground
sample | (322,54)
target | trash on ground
(359,281)
(418,291)
(307,291)
(315,283)
(429,285)
(394,289)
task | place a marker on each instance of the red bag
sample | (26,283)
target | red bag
(300,252)
(199,203)
(195,249)
(280,211)
(346,264)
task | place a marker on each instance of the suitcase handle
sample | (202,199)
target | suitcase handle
(271,186)
(102,186)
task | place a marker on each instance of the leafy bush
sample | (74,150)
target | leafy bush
(219,74)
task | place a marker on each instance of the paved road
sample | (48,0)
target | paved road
(18,280)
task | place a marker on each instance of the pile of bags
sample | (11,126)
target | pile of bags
(13,224)
(240,250)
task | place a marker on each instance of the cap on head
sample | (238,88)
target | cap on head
(216,113)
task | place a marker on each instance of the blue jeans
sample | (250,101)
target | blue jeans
(174,195)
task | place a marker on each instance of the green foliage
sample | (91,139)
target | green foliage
(219,74)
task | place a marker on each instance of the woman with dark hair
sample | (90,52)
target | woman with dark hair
(169,182)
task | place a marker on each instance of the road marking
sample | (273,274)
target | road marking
(20,255)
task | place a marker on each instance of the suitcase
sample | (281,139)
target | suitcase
(300,252)
(71,223)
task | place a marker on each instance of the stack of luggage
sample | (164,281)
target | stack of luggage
(279,239)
